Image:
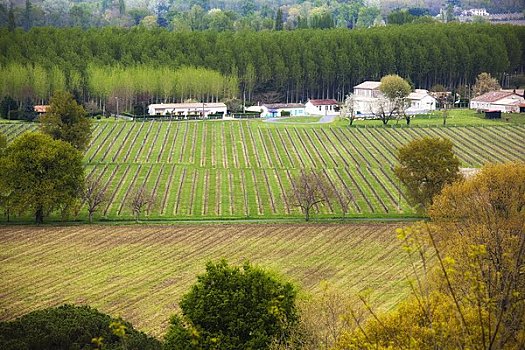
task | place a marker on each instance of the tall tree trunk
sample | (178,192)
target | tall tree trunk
(39,216)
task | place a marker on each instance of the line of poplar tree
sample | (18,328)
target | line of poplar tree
(298,64)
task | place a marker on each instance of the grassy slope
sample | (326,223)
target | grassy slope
(243,169)
(141,272)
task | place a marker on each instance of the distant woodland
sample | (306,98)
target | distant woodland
(292,65)
(225,15)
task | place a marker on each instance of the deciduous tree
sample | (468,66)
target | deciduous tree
(348,109)
(232,307)
(396,90)
(140,199)
(67,120)
(485,83)
(71,327)
(425,166)
(474,297)
(93,194)
(43,174)
(309,189)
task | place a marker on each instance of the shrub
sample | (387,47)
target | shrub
(70,327)
(233,307)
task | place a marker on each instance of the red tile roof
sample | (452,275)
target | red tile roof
(323,102)
(492,96)
(41,108)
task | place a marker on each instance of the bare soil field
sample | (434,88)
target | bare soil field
(141,272)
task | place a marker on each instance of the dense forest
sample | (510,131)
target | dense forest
(220,15)
(291,65)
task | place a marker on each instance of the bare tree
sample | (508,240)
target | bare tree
(309,190)
(393,103)
(93,194)
(140,200)
(348,110)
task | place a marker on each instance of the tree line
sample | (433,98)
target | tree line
(99,87)
(296,65)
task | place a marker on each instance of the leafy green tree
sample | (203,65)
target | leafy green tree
(7,105)
(11,24)
(279,20)
(396,91)
(43,175)
(367,16)
(400,17)
(28,112)
(28,16)
(67,120)
(233,307)
(71,327)
(425,166)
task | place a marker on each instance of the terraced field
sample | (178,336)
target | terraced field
(243,169)
(141,272)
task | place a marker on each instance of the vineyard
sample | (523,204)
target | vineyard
(141,272)
(244,169)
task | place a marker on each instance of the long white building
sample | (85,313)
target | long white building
(185,109)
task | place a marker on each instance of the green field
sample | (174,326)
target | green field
(141,272)
(243,169)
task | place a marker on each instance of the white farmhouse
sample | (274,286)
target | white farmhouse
(185,109)
(421,102)
(366,96)
(322,107)
(504,101)
(274,110)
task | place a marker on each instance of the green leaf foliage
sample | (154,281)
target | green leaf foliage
(42,174)
(394,87)
(70,327)
(67,120)
(299,64)
(425,166)
(233,307)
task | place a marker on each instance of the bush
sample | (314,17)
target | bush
(70,327)
(233,307)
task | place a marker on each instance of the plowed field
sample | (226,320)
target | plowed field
(141,272)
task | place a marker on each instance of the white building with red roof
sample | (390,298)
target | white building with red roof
(274,110)
(503,100)
(322,107)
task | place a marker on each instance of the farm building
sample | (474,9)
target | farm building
(421,102)
(504,101)
(185,109)
(278,110)
(366,96)
(322,107)
(41,109)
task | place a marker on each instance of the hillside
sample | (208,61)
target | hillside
(244,169)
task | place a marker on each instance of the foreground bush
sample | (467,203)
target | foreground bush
(71,327)
(233,307)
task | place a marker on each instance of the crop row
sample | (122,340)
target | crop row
(243,145)
(246,169)
(158,264)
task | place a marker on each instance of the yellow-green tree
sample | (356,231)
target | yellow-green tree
(425,166)
(472,297)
